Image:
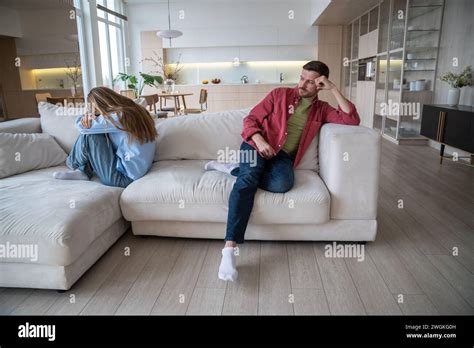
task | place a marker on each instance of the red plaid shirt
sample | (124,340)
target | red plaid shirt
(270,116)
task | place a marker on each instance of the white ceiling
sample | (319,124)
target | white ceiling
(344,11)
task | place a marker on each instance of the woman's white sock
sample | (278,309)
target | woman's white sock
(227,269)
(71,175)
(221,166)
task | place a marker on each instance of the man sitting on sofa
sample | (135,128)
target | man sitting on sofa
(280,128)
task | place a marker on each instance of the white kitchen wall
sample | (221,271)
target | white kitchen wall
(223,27)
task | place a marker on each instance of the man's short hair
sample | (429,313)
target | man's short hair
(317,66)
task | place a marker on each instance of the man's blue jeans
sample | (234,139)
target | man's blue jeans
(274,175)
(94,153)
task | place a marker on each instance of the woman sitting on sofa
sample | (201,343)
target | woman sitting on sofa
(118,145)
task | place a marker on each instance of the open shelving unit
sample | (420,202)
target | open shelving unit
(409,35)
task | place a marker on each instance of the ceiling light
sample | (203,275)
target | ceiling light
(169,34)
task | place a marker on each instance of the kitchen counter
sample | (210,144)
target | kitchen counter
(224,96)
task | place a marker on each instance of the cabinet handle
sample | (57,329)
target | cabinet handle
(439,123)
(441,127)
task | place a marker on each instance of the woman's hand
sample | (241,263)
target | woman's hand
(86,120)
(263,147)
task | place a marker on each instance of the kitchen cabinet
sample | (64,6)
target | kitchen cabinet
(355,39)
(360,41)
(384,23)
(373,19)
(368,44)
(365,101)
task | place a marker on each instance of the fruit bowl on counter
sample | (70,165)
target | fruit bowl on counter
(216,80)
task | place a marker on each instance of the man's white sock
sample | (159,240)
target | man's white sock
(227,269)
(221,166)
(71,175)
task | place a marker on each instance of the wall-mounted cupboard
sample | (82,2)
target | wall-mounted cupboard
(361,37)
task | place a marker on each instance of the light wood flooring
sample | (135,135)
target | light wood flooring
(409,269)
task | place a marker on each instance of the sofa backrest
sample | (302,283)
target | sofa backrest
(21,125)
(59,122)
(203,136)
(208,136)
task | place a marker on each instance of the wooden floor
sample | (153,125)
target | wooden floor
(409,269)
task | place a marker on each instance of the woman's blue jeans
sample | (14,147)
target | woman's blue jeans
(94,153)
(274,175)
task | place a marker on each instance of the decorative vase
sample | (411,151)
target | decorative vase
(453,96)
(73,91)
(169,85)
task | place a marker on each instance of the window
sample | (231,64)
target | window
(81,43)
(111,39)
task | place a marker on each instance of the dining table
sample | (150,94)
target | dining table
(176,98)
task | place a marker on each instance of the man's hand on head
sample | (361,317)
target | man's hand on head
(322,83)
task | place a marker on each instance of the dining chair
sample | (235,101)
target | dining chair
(42,97)
(202,101)
(151,101)
(54,100)
(129,93)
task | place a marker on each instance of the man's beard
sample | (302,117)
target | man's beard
(306,94)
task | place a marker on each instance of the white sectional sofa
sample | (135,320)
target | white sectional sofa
(75,222)
(178,198)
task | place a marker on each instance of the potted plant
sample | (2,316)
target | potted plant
(456,82)
(137,84)
(74,73)
(170,73)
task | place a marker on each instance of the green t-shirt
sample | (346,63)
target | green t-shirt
(295,126)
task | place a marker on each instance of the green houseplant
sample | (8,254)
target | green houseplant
(137,84)
(456,82)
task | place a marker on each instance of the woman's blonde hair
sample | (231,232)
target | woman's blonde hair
(134,119)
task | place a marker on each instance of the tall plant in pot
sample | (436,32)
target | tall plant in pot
(170,72)
(73,71)
(456,82)
(137,84)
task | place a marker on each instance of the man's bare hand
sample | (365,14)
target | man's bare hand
(263,147)
(323,83)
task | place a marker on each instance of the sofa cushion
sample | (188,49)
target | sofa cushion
(21,152)
(21,125)
(199,137)
(205,136)
(182,190)
(61,217)
(59,122)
